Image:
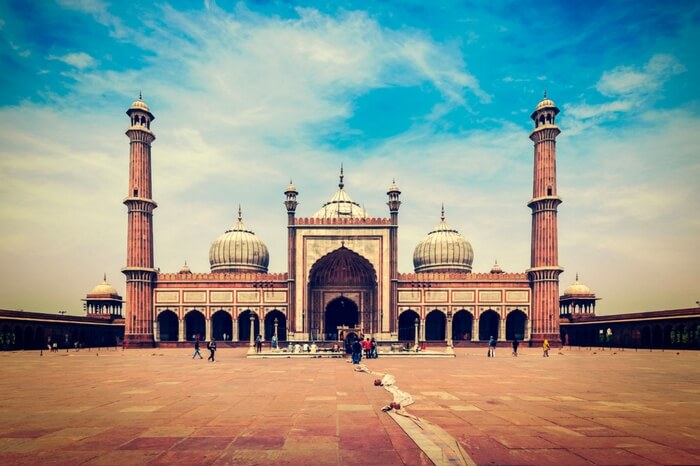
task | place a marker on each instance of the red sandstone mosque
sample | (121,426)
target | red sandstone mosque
(342,278)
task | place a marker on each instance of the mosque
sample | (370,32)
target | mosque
(342,278)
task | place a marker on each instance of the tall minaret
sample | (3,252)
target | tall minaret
(291,204)
(394,204)
(139,271)
(544,263)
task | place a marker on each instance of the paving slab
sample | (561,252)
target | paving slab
(159,406)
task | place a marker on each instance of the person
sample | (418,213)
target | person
(356,351)
(367,346)
(492,347)
(515,346)
(258,343)
(212,349)
(545,348)
(273,342)
(373,346)
(196,350)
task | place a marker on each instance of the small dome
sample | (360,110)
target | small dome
(496,268)
(291,188)
(139,104)
(238,250)
(545,103)
(393,188)
(577,289)
(443,250)
(340,205)
(185,269)
(104,289)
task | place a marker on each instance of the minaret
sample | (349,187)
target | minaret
(291,204)
(544,263)
(394,204)
(139,271)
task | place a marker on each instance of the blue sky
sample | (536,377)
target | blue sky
(248,95)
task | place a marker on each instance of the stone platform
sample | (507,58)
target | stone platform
(159,406)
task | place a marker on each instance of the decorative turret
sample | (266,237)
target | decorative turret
(291,199)
(103,301)
(496,268)
(577,300)
(394,202)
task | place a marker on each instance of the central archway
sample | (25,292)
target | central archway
(341,312)
(342,292)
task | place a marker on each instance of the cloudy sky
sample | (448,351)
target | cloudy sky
(248,95)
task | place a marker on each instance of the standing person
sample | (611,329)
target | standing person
(196,350)
(492,347)
(373,351)
(273,342)
(367,346)
(212,349)
(356,351)
(258,343)
(545,348)
(516,343)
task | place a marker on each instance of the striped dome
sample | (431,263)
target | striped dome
(238,250)
(443,250)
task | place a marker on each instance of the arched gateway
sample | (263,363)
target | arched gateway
(342,296)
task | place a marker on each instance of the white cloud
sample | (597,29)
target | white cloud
(631,81)
(80,60)
(99,10)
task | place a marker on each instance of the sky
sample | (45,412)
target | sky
(250,95)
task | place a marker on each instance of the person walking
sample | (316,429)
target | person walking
(492,347)
(516,343)
(545,348)
(212,350)
(196,350)
(258,343)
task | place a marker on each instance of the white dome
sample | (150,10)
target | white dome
(443,250)
(238,250)
(340,205)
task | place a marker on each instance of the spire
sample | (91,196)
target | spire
(104,279)
(140,96)
(240,216)
(442,212)
(341,184)
(576,276)
(545,93)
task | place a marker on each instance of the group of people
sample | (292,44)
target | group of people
(211,346)
(367,346)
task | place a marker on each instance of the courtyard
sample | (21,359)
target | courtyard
(159,406)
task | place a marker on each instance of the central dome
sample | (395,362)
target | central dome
(238,250)
(340,205)
(443,250)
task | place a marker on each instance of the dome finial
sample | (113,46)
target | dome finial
(140,96)
(576,276)
(240,216)
(104,279)
(442,212)
(341,184)
(545,93)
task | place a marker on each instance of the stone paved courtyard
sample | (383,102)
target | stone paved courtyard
(116,407)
